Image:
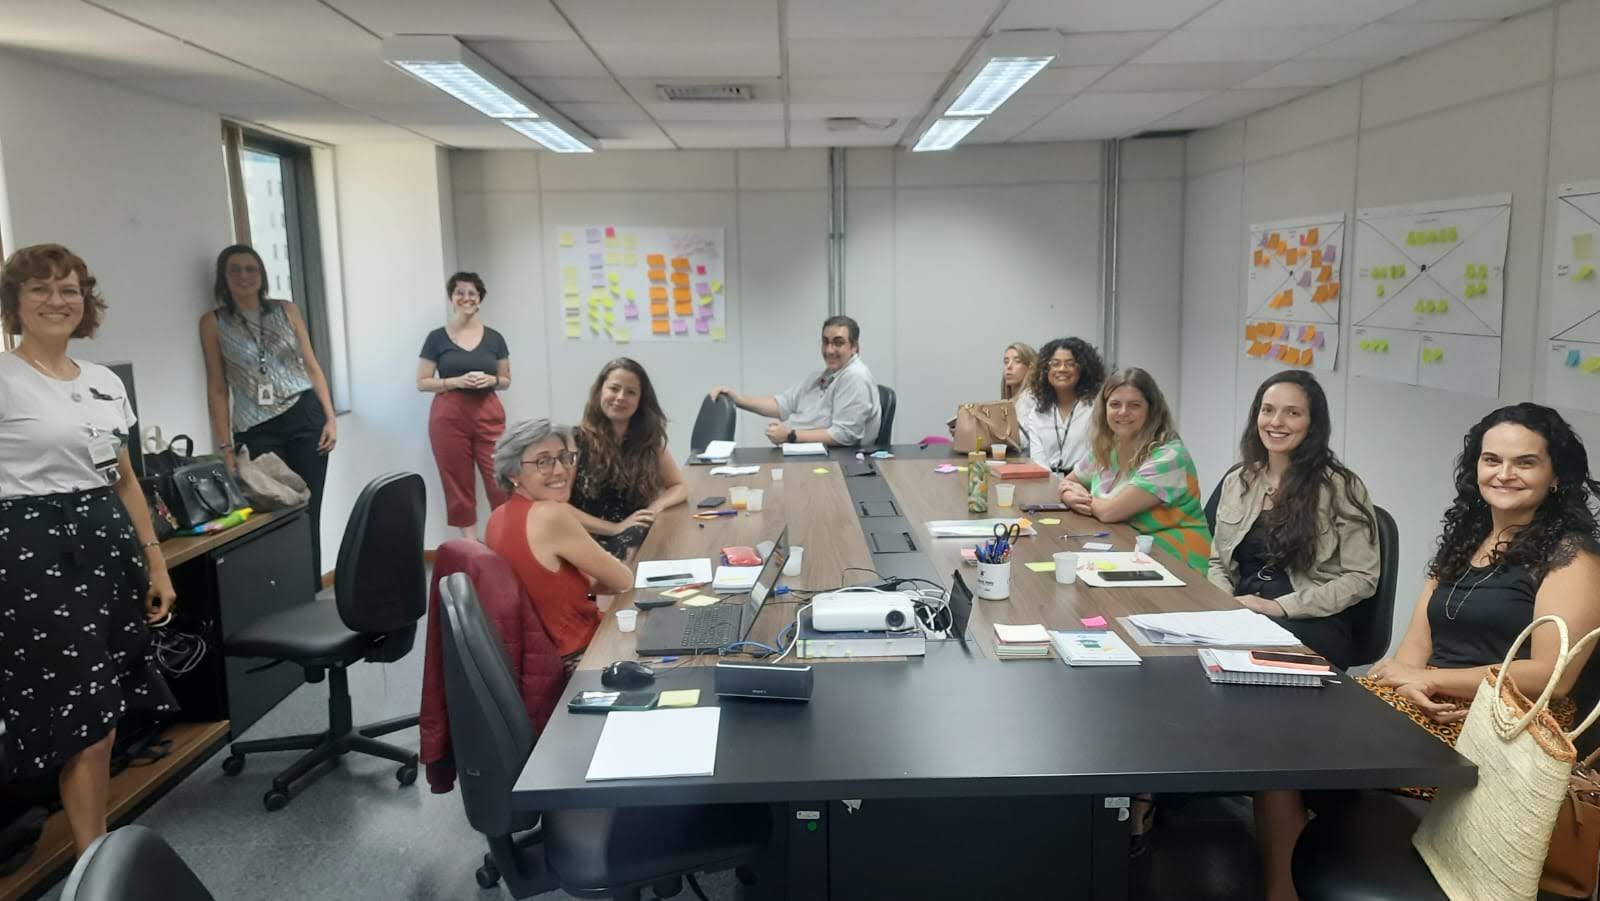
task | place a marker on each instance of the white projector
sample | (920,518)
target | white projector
(862,611)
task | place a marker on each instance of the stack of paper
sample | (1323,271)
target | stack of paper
(1014,642)
(735,470)
(1236,668)
(735,579)
(656,743)
(1093,649)
(1214,627)
(804,449)
(717,450)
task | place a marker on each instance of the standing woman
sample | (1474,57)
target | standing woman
(264,387)
(463,364)
(625,475)
(1056,407)
(81,573)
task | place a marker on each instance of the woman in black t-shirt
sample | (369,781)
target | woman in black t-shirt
(463,365)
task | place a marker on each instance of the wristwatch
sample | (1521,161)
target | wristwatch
(790,439)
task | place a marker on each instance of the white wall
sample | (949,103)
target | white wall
(1471,117)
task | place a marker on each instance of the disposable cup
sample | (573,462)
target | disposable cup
(1004,493)
(754,499)
(998,450)
(1066,567)
(739,497)
(777,473)
(795,562)
(627,620)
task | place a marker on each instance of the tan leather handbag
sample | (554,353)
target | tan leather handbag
(992,422)
(1569,868)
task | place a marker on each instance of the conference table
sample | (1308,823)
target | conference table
(1022,768)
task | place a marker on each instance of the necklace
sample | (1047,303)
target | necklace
(72,383)
(1451,615)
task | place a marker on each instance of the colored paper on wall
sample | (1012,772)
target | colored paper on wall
(703,326)
(656,260)
(681,279)
(718,333)
(568,239)
(681,295)
(680,326)
(702,288)
(629,258)
(1291,256)
(700,269)
(574,328)
(1583,246)
(658,308)
(1261,259)
(1592,364)
(1316,259)
(658,292)
(1313,236)
(592,235)
(1325,274)
(629,242)
(658,275)
(716,287)
(706,299)
(611,231)
(660,327)
(1305,278)
(630,311)
(683,308)
(597,259)
(613,258)
(621,335)
(680,264)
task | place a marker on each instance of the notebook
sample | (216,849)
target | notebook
(1015,642)
(1235,668)
(734,579)
(1093,649)
(804,449)
(1010,471)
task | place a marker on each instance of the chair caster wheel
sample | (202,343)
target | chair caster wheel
(488,876)
(406,774)
(233,765)
(275,800)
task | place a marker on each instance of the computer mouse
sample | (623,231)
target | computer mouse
(627,674)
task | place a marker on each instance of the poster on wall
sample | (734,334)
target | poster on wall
(1429,293)
(626,283)
(1292,292)
(1573,357)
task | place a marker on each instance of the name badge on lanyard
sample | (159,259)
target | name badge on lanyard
(264,395)
(103,449)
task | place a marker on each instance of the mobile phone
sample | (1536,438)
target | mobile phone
(710,502)
(1289,661)
(652,603)
(604,701)
(1130,575)
(1043,508)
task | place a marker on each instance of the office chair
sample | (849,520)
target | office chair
(886,421)
(1372,619)
(132,864)
(380,591)
(586,853)
(716,421)
(1215,498)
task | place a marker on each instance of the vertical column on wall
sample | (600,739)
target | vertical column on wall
(1110,195)
(232,143)
(836,213)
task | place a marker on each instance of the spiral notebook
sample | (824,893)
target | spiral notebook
(1235,668)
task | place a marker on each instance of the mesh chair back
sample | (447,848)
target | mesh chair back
(715,422)
(489,728)
(132,864)
(381,584)
(1372,620)
(886,418)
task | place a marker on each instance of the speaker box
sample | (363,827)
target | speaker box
(766,681)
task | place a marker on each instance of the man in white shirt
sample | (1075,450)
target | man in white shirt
(837,405)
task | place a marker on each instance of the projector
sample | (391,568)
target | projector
(862,611)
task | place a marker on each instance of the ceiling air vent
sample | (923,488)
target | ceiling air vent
(701,93)
(856,123)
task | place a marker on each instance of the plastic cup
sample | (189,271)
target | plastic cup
(777,473)
(739,497)
(754,499)
(627,620)
(796,561)
(1143,544)
(1066,567)
(999,453)
(994,581)
(1004,493)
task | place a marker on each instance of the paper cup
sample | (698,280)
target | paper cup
(777,473)
(754,499)
(999,452)
(1066,567)
(795,562)
(739,497)
(1004,493)
(627,620)
(1143,544)
(994,581)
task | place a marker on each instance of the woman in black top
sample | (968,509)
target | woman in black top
(625,475)
(463,365)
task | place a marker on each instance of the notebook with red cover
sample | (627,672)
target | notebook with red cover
(1010,471)
(741,556)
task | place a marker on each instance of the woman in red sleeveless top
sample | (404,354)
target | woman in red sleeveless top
(538,534)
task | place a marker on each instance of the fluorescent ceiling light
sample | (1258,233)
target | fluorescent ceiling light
(994,84)
(459,81)
(549,134)
(945,134)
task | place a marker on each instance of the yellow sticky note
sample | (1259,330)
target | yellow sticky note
(1049,521)
(1380,291)
(611,317)
(630,259)
(1585,271)
(1105,566)
(1590,364)
(629,295)
(1583,246)
(613,258)
(620,335)
(706,300)
(612,242)
(718,333)
(613,278)
(716,287)
(821,470)
(574,328)
(682,697)
(700,600)
(629,242)
(566,239)
(1044,566)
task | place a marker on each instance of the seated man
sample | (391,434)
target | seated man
(838,405)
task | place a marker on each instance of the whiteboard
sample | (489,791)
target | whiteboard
(1293,290)
(1429,293)
(624,283)
(1573,356)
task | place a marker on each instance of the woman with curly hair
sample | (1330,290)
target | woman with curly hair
(1056,406)
(625,475)
(1519,541)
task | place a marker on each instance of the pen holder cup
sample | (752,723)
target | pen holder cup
(994,581)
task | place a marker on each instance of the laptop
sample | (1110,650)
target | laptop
(700,630)
(959,603)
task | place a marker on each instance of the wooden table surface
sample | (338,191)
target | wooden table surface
(182,548)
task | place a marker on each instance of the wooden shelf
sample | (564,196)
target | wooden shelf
(191,742)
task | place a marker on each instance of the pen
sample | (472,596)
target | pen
(710,513)
(669,577)
(1088,535)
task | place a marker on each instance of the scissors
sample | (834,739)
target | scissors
(1005,536)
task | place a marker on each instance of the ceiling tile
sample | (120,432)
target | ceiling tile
(716,112)
(887,87)
(645,90)
(631,136)
(1230,14)
(487,136)
(579,90)
(1095,116)
(514,20)
(1315,73)
(1245,44)
(1031,105)
(1227,106)
(1457,10)
(1063,81)
(674,20)
(998,129)
(865,109)
(1385,40)
(725,134)
(1106,48)
(1178,76)
(815,133)
(691,59)
(1100,15)
(586,114)
(887,18)
(866,56)
(541,59)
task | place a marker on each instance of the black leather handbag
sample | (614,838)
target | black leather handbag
(204,491)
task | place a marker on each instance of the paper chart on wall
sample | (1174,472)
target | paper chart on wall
(1293,290)
(1428,295)
(1573,365)
(625,283)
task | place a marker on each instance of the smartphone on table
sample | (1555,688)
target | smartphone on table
(1289,660)
(606,701)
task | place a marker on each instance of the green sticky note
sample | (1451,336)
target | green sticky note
(1421,306)
(821,470)
(1384,345)
(620,335)
(1450,233)
(706,300)
(1444,305)
(718,333)
(682,697)
(574,328)
(629,295)
(611,317)
(716,287)
(1381,292)
(1397,271)
(613,278)
(1045,566)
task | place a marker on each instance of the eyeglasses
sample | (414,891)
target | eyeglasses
(1062,364)
(547,464)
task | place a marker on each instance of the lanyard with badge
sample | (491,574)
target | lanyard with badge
(264,393)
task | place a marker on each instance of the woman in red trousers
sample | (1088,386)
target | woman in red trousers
(463,365)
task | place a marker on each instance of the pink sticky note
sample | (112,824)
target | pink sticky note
(945,467)
(700,270)
(680,326)
(702,288)
(702,326)
(969,553)
(1305,279)
(1093,622)
(611,231)
(630,311)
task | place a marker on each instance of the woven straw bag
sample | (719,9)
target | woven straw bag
(1489,842)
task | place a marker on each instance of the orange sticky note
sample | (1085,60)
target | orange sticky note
(1279,330)
(1258,349)
(658,275)
(1310,335)
(656,260)
(681,264)
(1312,235)
(658,308)
(1316,258)
(660,326)
(1274,240)
(1325,274)
(1305,357)
(684,308)
(1261,258)
(682,295)
(681,279)
(1292,256)
(657,292)
(1333,290)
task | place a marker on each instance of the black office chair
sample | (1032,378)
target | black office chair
(1216,496)
(886,420)
(716,421)
(1372,620)
(380,591)
(587,853)
(132,864)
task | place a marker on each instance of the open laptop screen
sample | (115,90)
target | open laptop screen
(771,569)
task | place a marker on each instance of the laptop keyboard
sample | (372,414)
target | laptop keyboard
(704,629)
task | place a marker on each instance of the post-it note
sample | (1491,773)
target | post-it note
(1097,545)
(821,470)
(1093,622)
(566,239)
(1043,566)
(718,333)
(701,600)
(682,697)
(1049,521)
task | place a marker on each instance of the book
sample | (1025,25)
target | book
(1010,471)
(1093,649)
(1235,668)
(812,644)
(804,449)
(1017,642)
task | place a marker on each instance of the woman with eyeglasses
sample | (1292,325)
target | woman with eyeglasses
(538,533)
(1056,405)
(264,387)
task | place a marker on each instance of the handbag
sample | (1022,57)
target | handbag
(1569,868)
(1490,842)
(204,491)
(161,518)
(268,482)
(980,425)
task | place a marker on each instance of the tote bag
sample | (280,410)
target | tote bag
(993,422)
(268,482)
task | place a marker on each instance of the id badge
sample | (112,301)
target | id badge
(264,395)
(103,448)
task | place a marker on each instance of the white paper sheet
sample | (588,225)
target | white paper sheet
(735,470)
(970,528)
(1090,570)
(652,744)
(717,450)
(1214,627)
(689,572)
(804,449)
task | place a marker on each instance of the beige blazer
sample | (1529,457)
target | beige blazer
(1346,568)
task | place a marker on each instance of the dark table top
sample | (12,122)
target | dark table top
(951,725)
(764,453)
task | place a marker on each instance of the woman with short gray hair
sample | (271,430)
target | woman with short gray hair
(538,533)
